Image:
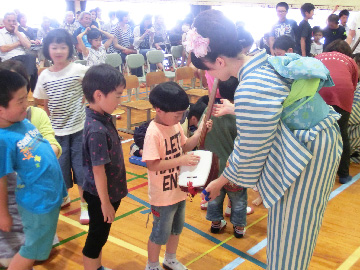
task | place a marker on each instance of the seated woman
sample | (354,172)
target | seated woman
(28,31)
(123,36)
(144,37)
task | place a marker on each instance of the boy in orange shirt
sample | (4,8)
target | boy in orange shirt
(164,145)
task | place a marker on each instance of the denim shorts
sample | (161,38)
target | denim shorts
(167,220)
(71,158)
(39,230)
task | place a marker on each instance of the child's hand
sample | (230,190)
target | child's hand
(87,29)
(226,107)
(209,125)
(108,212)
(6,222)
(93,26)
(189,160)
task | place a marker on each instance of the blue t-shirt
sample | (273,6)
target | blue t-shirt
(40,184)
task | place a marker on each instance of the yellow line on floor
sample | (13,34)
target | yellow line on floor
(223,242)
(349,262)
(111,239)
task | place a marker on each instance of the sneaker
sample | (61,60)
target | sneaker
(84,216)
(249,210)
(204,206)
(133,149)
(344,180)
(216,228)
(154,267)
(239,233)
(173,264)
(228,211)
(66,202)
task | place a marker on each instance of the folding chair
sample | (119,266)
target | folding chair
(132,82)
(114,59)
(153,79)
(136,61)
(185,73)
(82,62)
(176,53)
(156,57)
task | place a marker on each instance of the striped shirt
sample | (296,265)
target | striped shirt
(266,152)
(123,37)
(65,98)
(96,57)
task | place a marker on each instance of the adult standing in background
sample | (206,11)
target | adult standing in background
(108,27)
(283,27)
(354,33)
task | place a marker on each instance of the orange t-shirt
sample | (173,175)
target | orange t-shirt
(164,142)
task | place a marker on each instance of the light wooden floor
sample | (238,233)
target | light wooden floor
(337,247)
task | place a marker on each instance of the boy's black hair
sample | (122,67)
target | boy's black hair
(282,4)
(317,29)
(17,66)
(340,46)
(307,7)
(284,43)
(344,12)
(93,34)
(227,88)
(197,110)
(101,77)
(58,36)
(169,97)
(333,18)
(10,82)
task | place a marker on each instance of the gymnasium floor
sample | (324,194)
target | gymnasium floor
(338,245)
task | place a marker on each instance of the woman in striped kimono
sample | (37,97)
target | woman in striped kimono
(289,148)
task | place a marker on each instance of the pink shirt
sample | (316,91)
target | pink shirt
(164,142)
(343,71)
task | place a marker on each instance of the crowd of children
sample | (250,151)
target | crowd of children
(71,143)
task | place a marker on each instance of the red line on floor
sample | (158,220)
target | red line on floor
(138,186)
(71,212)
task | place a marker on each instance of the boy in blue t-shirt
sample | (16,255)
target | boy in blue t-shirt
(39,178)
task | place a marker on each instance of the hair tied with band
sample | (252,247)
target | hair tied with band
(196,43)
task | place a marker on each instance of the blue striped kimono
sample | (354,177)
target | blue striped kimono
(294,170)
(354,126)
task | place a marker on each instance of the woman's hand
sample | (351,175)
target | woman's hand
(213,189)
(226,107)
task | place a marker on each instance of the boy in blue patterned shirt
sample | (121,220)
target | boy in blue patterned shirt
(103,160)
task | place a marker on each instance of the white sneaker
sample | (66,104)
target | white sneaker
(228,211)
(153,268)
(66,202)
(204,206)
(56,240)
(84,216)
(173,264)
